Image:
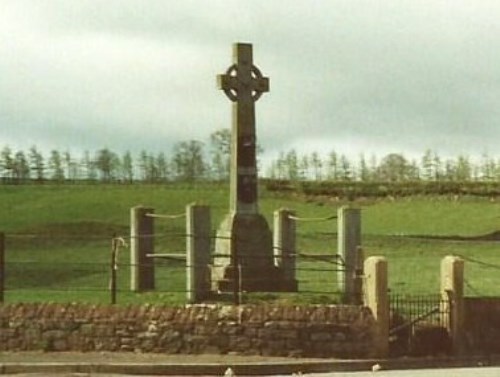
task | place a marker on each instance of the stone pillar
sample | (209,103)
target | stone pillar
(452,291)
(198,228)
(142,273)
(377,299)
(284,245)
(357,296)
(2,266)
(349,247)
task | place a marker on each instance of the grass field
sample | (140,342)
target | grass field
(59,240)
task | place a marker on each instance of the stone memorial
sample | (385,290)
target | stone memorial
(244,244)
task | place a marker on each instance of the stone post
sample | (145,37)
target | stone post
(452,291)
(349,247)
(198,228)
(2,266)
(142,273)
(284,245)
(357,296)
(376,298)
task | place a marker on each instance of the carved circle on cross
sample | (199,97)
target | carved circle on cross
(232,93)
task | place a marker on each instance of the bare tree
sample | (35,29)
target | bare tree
(89,165)
(20,170)
(162,167)
(107,163)
(317,166)
(220,142)
(188,161)
(394,168)
(36,163)
(7,163)
(127,167)
(55,166)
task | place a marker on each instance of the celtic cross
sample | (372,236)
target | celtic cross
(243,79)
(243,84)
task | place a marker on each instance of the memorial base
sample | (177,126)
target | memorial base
(245,240)
(269,280)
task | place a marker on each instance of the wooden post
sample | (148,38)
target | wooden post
(198,228)
(349,247)
(142,273)
(2,266)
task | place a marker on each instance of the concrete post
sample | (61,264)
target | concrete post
(198,228)
(284,243)
(142,273)
(376,298)
(357,296)
(452,291)
(2,266)
(349,247)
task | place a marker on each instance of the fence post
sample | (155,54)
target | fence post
(198,228)
(349,247)
(236,271)
(452,292)
(376,298)
(114,267)
(359,274)
(142,273)
(2,266)
(284,244)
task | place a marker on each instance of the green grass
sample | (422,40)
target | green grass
(59,240)
(432,216)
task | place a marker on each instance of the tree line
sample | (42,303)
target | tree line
(193,160)
(188,162)
(394,167)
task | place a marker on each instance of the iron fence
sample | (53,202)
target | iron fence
(418,324)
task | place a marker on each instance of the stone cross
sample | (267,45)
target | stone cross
(243,84)
(244,259)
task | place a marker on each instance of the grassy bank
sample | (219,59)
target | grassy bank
(59,237)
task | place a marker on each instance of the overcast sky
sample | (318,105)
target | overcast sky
(374,76)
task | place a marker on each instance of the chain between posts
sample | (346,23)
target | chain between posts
(313,219)
(163,216)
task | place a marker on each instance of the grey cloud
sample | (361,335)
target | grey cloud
(352,76)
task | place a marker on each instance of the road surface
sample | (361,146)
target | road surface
(452,372)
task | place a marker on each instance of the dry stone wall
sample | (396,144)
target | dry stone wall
(296,331)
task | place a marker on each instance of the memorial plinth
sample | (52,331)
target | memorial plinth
(244,244)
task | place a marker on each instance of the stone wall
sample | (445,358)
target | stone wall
(482,325)
(309,331)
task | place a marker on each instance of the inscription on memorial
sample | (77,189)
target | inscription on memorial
(246,191)
(247,151)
